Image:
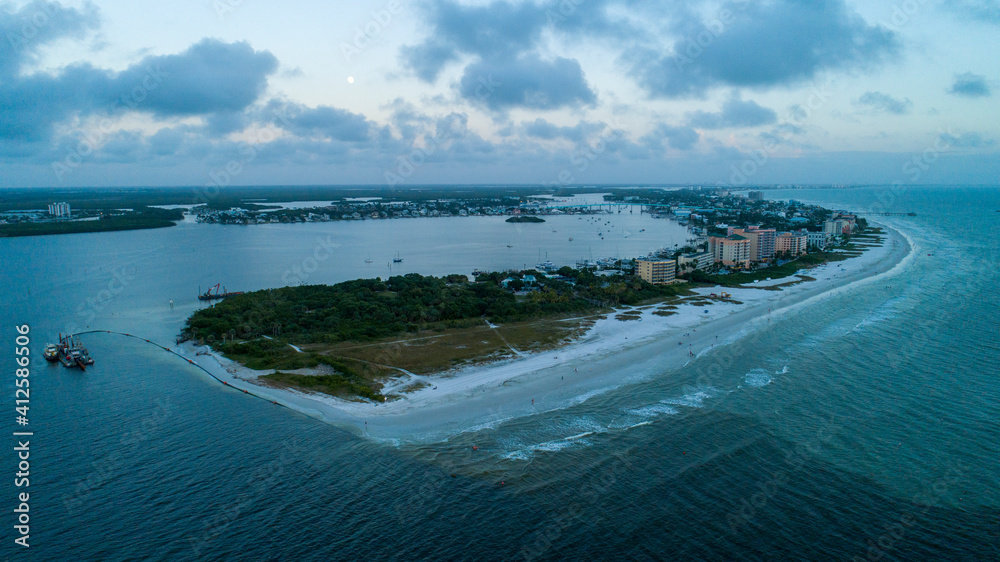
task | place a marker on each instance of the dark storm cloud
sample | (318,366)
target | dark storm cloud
(764,45)
(735,113)
(970,85)
(885,103)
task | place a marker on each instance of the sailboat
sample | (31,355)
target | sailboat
(397,259)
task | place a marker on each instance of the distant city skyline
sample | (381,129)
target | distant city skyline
(401,93)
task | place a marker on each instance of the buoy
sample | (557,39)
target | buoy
(474,448)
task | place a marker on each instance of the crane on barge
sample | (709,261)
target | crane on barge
(220,293)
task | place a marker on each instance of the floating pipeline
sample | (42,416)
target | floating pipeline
(168,350)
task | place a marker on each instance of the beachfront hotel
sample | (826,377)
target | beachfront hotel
(838,226)
(700,260)
(791,243)
(761,241)
(733,250)
(657,272)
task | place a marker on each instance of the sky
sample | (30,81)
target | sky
(555,92)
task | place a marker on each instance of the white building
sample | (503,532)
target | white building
(702,261)
(59,209)
(817,239)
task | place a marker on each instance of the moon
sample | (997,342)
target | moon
(350,79)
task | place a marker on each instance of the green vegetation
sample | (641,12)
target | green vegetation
(370,309)
(344,382)
(436,350)
(525,219)
(136,220)
(784,270)
(364,329)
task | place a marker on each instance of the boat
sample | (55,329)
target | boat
(397,259)
(51,353)
(570,238)
(546,266)
(71,353)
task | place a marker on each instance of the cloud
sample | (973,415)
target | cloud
(208,78)
(765,45)
(23,32)
(970,85)
(324,121)
(885,103)
(735,113)
(678,138)
(497,30)
(225,122)
(979,10)
(502,39)
(527,81)
(427,60)
(579,133)
(967,140)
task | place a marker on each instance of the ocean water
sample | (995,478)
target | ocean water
(864,425)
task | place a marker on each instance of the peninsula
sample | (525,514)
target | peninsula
(358,333)
(380,339)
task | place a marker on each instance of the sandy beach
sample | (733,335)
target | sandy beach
(484,395)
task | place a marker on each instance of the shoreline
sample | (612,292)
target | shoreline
(480,396)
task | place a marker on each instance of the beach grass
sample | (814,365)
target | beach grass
(440,349)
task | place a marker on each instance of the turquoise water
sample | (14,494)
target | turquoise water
(862,425)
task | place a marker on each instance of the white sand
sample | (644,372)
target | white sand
(610,354)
